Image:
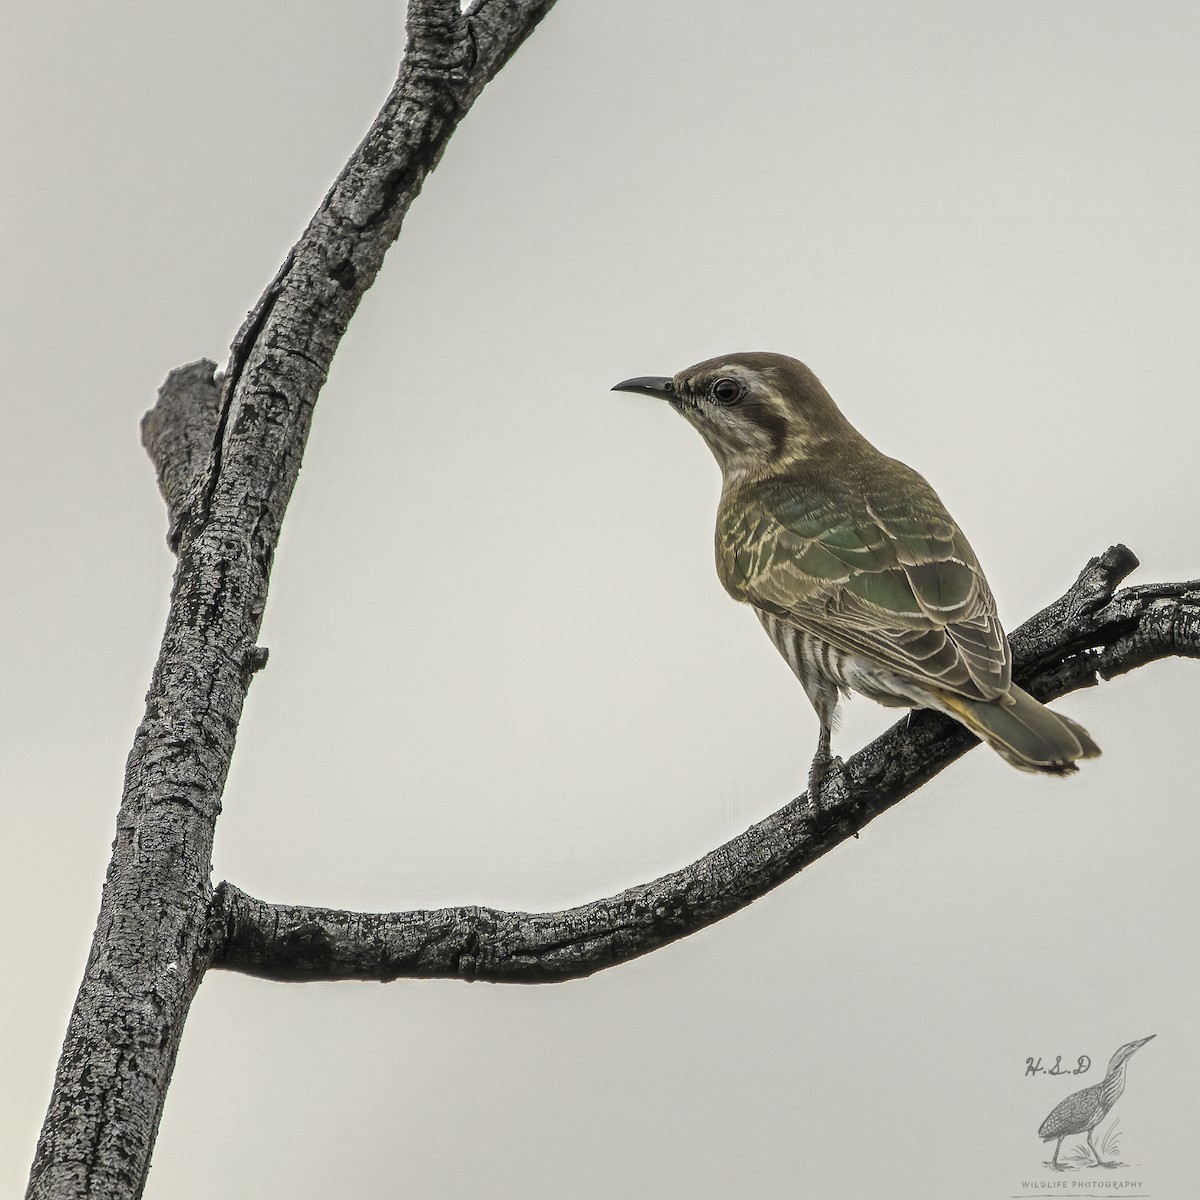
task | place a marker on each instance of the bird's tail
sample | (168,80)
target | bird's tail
(1024,732)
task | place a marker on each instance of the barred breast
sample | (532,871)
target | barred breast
(825,671)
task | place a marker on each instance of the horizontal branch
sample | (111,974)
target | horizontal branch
(1092,633)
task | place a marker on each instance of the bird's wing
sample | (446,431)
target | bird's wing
(1079,1111)
(881,570)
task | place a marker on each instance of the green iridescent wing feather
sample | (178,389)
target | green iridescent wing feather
(879,569)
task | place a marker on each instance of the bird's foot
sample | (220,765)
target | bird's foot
(821,780)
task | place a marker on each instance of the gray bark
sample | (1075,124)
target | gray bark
(1092,633)
(178,432)
(226,502)
(227,453)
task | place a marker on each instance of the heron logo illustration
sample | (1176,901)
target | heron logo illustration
(1083,1110)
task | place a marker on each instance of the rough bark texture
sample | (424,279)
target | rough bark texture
(178,433)
(226,471)
(227,454)
(1088,635)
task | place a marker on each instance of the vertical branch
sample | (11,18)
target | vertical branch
(227,473)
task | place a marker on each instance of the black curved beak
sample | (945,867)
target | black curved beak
(648,385)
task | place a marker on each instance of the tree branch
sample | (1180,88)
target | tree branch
(227,473)
(1093,632)
(177,433)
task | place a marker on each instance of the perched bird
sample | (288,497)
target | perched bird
(1082,1111)
(857,572)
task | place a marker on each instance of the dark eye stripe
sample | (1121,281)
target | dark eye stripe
(775,427)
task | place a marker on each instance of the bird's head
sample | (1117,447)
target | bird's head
(1125,1051)
(758,412)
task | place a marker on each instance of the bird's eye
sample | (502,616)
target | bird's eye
(726,391)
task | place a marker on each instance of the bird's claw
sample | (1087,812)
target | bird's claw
(819,780)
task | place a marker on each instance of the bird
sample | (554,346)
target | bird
(1082,1111)
(858,574)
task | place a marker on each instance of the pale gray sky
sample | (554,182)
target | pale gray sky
(502,669)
